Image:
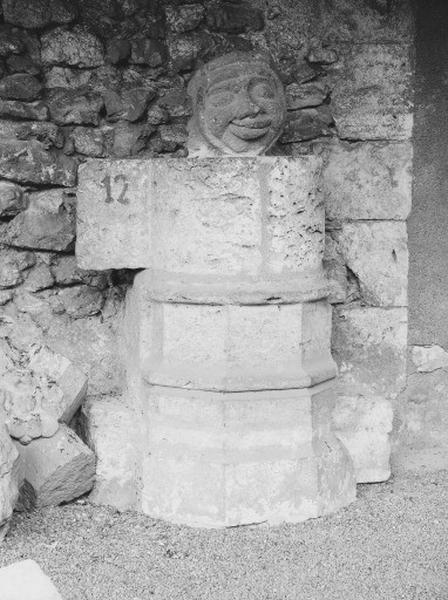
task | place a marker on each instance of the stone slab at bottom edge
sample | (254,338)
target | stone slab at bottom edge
(25,580)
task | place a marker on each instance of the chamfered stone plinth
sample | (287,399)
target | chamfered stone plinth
(226,335)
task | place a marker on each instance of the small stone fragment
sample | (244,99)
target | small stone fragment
(47,224)
(172,136)
(305,95)
(157,115)
(26,580)
(10,42)
(20,86)
(147,51)
(30,162)
(129,139)
(56,469)
(322,56)
(12,109)
(118,51)
(429,358)
(88,141)
(229,17)
(177,103)
(40,278)
(38,13)
(74,107)
(184,18)
(81,301)
(22,64)
(183,51)
(47,133)
(12,199)
(129,105)
(306,124)
(76,47)
(12,265)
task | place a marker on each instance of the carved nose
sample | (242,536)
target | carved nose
(246,105)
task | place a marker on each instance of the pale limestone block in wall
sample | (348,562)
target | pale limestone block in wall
(369,346)
(208,229)
(56,469)
(25,580)
(372,98)
(363,424)
(216,460)
(233,347)
(429,358)
(377,254)
(364,21)
(110,428)
(9,477)
(371,180)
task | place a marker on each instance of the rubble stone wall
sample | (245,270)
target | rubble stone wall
(82,79)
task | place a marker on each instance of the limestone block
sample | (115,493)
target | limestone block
(355,21)
(363,424)
(13,263)
(74,107)
(371,99)
(369,346)
(56,469)
(202,243)
(37,395)
(371,180)
(13,109)
(218,460)
(429,358)
(111,429)
(75,47)
(25,579)
(234,347)
(9,477)
(20,86)
(47,224)
(377,255)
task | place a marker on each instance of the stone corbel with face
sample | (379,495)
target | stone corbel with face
(239,107)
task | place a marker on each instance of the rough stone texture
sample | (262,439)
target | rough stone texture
(12,199)
(377,255)
(12,266)
(364,424)
(372,98)
(108,427)
(25,579)
(30,162)
(370,180)
(56,469)
(39,13)
(48,223)
(38,393)
(9,478)
(129,105)
(77,107)
(429,358)
(75,47)
(20,86)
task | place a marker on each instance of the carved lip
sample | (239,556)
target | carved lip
(250,128)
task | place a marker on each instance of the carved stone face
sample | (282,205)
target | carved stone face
(239,104)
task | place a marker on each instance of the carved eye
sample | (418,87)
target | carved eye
(263,90)
(220,98)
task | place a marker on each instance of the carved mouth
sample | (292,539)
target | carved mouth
(250,128)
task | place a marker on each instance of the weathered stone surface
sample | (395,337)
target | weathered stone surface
(377,255)
(369,346)
(66,272)
(370,180)
(183,51)
(39,13)
(9,479)
(57,469)
(25,579)
(172,137)
(129,104)
(11,109)
(48,134)
(351,20)
(40,392)
(364,424)
(81,301)
(76,47)
(372,99)
(20,86)
(12,199)
(88,141)
(129,138)
(39,278)
(176,102)
(146,51)
(184,18)
(109,429)
(307,124)
(322,55)
(11,42)
(125,221)
(429,358)
(65,77)
(217,461)
(12,265)
(305,95)
(29,162)
(47,224)
(22,64)
(231,18)
(74,107)
(157,115)
(118,51)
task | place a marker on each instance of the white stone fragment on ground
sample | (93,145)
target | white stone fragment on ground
(9,480)
(25,580)
(40,394)
(109,429)
(429,358)
(56,469)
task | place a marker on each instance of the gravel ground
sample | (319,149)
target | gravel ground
(391,544)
